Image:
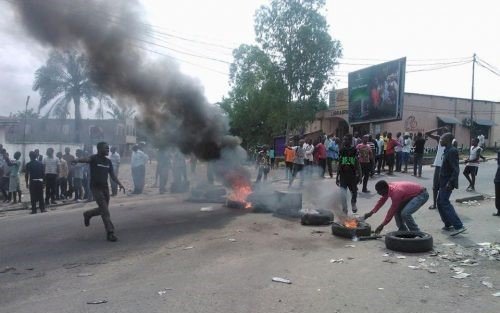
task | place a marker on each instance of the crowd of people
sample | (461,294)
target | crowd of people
(356,159)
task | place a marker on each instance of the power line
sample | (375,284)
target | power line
(488,68)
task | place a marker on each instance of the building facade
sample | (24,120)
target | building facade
(420,113)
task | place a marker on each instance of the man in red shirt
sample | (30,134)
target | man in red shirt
(407,197)
(390,152)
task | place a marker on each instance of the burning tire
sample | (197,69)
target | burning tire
(409,241)
(322,217)
(363,229)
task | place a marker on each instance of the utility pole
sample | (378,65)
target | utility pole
(471,133)
(24,130)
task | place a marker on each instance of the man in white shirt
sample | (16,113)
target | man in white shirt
(470,171)
(481,140)
(51,166)
(138,165)
(308,157)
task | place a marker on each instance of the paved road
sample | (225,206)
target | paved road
(223,261)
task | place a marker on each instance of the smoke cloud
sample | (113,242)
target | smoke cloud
(112,34)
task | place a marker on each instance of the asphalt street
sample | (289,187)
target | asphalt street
(173,257)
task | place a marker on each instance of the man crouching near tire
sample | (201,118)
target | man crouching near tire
(407,197)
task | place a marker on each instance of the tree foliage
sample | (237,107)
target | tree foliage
(119,113)
(29,113)
(286,75)
(62,81)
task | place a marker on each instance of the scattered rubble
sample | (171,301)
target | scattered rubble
(97,302)
(7,269)
(164,291)
(337,261)
(281,280)
(85,274)
(487,284)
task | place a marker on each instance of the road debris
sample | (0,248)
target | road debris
(421,260)
(426,287)
(337,261)
(7,269)
(380,288)
(232,239)
(487,284)
(207,209)
(389,261)
(97,302)
(164,291)
(496,294)
(401,257)
(386,254)
(461,275)
(413,267)
(350,246)
(449,244)
(432,271)
(85,274)
(188,248)
(281,280)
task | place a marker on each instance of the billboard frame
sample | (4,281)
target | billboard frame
(360,86)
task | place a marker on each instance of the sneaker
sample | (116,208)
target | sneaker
(496,214)
(432,207)
(447,228)
(86,220)
(458,231)
(366,191)
(354,208)
(111,237)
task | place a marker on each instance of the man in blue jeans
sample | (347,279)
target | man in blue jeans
(448,180)
(407,197)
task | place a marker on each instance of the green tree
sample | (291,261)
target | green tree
(256,103)
(63,80)
(120,113)
(30,113)
(295,35)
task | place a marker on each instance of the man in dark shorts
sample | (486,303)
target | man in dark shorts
(470,171)
(100,168)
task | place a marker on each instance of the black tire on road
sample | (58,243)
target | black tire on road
(323,217)
(409,241)
(363,229)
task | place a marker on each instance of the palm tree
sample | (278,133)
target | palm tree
(120,113)
(63,80)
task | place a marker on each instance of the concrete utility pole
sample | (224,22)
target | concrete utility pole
(471,129)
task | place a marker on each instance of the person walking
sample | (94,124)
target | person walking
(163,166)
(100,168)
(407,144)
(472,164)
(4,183)
(14,186)
(390,153)
(448,180)
(308,158)
(348,172)
(407,197)
(78,176)
(365,158)
(62,178)
(68,157)
(379,156)
(34,176)
(298,164)
(51,166)
(332,154)
(320,151)
(497,186)
(418,154)
(115,160)
(398,149)
(138,165)
(272,156)
(263,165)
(289,157)
(373,145)
(438,161)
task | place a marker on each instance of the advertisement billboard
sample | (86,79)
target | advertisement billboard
(376,93)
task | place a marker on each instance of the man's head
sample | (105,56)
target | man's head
(37,152)
(301,142)
(419,134)
(59,155)
(135,148)
(446,139)
(67,150)
(382,187)
(370,138)
(32,155)
(112,149)
(17,155)
(377,136)
(356,135)
(398,134)
(389,135)
(79,153)
(385,133)
(347,140)
(102,148)
(474,142)
(365,139)
(50,152)
(290,143)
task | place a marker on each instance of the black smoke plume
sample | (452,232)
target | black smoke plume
(112,35)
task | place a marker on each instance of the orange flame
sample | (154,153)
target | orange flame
(351,223)
(240,193)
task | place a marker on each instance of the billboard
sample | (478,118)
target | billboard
(376,93)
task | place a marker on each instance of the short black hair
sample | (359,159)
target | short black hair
(381,185)
(101,145)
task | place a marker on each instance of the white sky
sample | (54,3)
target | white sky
(423,31)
